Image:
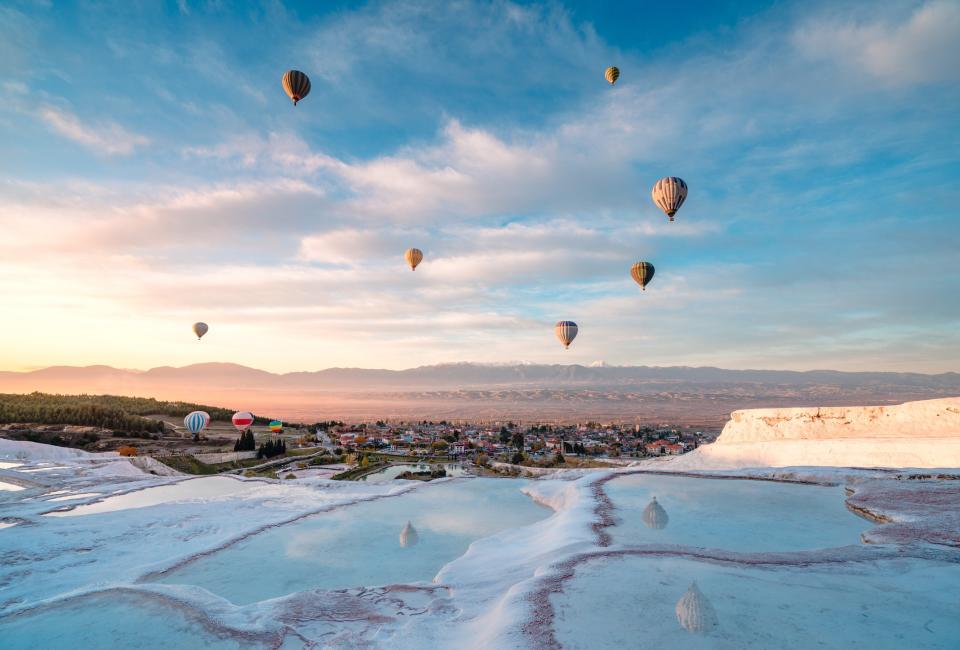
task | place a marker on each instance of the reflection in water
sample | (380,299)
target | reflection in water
(393,471)
(694,611)
(654,516)
(408,536)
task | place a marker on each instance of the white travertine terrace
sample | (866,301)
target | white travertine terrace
(913,434)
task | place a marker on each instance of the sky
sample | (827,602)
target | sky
(153,173)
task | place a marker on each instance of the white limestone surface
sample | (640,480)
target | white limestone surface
(923,434)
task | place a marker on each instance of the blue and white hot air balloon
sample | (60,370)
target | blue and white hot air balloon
(196,422)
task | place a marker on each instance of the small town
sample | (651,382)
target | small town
(539,444)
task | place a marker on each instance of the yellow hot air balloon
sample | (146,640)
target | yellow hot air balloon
(296,85)
(612,74)
(642,273)
(669,193)
(566,331)
(413,256)
(200,329)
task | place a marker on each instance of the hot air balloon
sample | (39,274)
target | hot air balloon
(206,417)
(669,193)
(695,613)
(409,536)
(242,420)
(642,273)
(612,74)
(200,329)
(195,422)
(296,85)
(413,256)
(276,426)
(566,331)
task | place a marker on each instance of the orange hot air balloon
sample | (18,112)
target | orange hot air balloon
(413,256)
(296,84)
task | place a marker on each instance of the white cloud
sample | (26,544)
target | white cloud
(349,246)
(921,48)
(108,137)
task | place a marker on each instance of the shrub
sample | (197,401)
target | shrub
(127,451)
(289,476)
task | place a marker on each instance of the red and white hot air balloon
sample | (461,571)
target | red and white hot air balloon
(242,420)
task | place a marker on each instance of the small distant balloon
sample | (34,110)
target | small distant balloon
(242,420)
(200,329)
(196,421)
(276,426)
(642,273)
(296,84)
(612,74)
(566,331)
(413,256)
(669,193)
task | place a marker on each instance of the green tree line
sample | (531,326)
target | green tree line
(105,411)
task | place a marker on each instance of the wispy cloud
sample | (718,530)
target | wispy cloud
(104,137)
(923,47)
(526,182)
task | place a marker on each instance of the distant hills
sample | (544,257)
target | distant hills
(468,390)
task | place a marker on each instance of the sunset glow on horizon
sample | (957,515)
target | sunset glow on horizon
(153,174)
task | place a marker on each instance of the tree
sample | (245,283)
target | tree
(517,458)
(504,436)
(559,460)
(518,440)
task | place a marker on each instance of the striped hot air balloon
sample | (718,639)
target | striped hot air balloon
(612,74)
(276,426)
(196,421)
(242,420)
(566,331)
(413,256)
(669,193)
(206,416)
(296,85)
(642,273)
(200,329)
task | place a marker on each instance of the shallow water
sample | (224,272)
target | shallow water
(619,602)
(359,545)
(392,472)
(120,622)
(739,515)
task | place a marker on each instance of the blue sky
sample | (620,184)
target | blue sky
(153,173)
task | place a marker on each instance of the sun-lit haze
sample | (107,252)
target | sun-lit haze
(153,174)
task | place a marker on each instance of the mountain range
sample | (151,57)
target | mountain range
(703,395)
